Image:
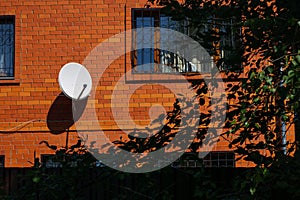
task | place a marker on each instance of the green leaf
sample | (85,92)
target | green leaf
(256,100)
(270,70)
(252,191)
(243,111)
(298,58)
(36,179)
(265,171)
(246,124)
(257,125)
(291,96)
(252,75)
(265,87)
(294,62)
(273,90)
(269,80)
(284,117)
(233,122)
(291,73)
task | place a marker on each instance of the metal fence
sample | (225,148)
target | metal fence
(105,183)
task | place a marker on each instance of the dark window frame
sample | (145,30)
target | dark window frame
(9,19)
(49,161)
(226,51)
(217,58)
(157,56)
(219,159)
(212,159)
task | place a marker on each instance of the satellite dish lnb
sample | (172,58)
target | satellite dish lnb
(75,81)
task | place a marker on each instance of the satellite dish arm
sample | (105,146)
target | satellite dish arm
(84,86)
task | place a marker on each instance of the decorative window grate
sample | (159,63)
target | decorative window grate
(52,161)
(150,55)
(219,159)
(7,46)
(212,159)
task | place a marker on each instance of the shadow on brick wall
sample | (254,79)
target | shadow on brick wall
(63,113)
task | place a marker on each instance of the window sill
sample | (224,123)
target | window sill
(187,76)
(9,81)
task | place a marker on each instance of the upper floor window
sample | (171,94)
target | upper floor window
(7,45)
(222,39)
(150,56)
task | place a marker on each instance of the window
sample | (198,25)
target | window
(49,161)
(54,161)
(212,159)
(150,56)
(219,159)
(226,43)
(2,165)
(2,158)
(187,160)
(7,45)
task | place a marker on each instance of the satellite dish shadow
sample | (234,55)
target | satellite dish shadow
(64,112)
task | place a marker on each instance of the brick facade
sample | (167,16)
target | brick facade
(49,34)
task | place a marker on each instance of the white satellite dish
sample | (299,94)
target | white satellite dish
(75,81)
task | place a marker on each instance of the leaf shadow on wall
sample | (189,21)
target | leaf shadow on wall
(63,113)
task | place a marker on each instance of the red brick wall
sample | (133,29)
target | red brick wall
(49,34)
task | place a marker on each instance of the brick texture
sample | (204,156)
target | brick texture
(49,34)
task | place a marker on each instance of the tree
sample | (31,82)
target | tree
(267,99)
